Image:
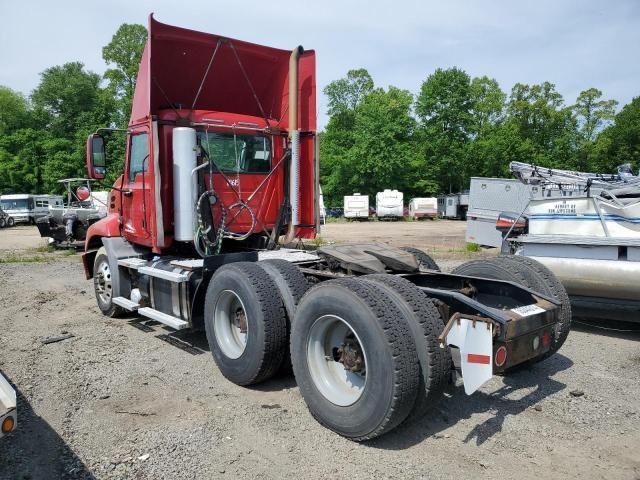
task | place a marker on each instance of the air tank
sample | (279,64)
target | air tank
(184,188)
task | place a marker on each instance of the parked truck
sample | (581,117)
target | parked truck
(389,205)
(220,180)
(356,207)
(8,407)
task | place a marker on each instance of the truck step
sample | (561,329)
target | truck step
(168,320)
(164,274)
(132,262)
(126,303)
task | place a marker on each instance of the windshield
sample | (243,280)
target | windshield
(237,153)
(17,204)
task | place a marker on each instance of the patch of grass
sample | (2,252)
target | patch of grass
(23,258)
(472,247)
(44,249)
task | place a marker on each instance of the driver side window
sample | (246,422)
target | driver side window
(138,155)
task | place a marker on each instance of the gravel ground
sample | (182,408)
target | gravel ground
(126,398)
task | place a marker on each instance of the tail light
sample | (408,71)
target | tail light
(507,220)
(8,424)
(500,357)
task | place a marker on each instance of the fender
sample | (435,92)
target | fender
(108,226)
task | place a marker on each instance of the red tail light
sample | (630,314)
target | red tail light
(500,357)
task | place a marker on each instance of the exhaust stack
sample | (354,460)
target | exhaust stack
(294,139)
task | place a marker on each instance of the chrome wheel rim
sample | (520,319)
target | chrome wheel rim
(103,285)
(337,361)
(230,324)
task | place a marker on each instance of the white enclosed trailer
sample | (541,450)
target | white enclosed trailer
(488,198)
(389,204)
(356,206)
(453,206)
(425,207)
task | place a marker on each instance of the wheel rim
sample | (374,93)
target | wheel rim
(337,362)
(230,324)
(103,285)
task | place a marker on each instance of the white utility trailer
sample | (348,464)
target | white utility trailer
(389,204)
(356,206)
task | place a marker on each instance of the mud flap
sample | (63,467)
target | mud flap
(474,338)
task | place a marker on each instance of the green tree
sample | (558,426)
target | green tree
(123,53)
(547,128)
(620,142)
(593,113)
(64,94)
(14,111)
(444,107)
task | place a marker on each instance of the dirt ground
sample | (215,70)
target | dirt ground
(126,398)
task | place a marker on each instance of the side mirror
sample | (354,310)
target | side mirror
(96,158)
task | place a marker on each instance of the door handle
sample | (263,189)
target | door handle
(127,192)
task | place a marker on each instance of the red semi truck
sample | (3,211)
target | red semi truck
(220,179)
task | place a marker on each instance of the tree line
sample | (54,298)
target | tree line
(42,136)
(457,127)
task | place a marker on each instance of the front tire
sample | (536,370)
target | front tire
(103,285)
(354,358)
(11,222)
(245,322)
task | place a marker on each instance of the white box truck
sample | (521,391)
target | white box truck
(356,206)
(389,204)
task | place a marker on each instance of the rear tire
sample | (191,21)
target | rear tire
(354,358)
(103,285)
(426,324)
(3,222)
(245,323)
(531,274)
(292,285)
(425,262)
(541,279)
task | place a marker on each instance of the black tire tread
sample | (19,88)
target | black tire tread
(435,362)
(398,337)
(540,276)
(275,325)
(423,259)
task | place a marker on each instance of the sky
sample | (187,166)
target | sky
(574,44)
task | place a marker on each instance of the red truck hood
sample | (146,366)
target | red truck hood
(175,62)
